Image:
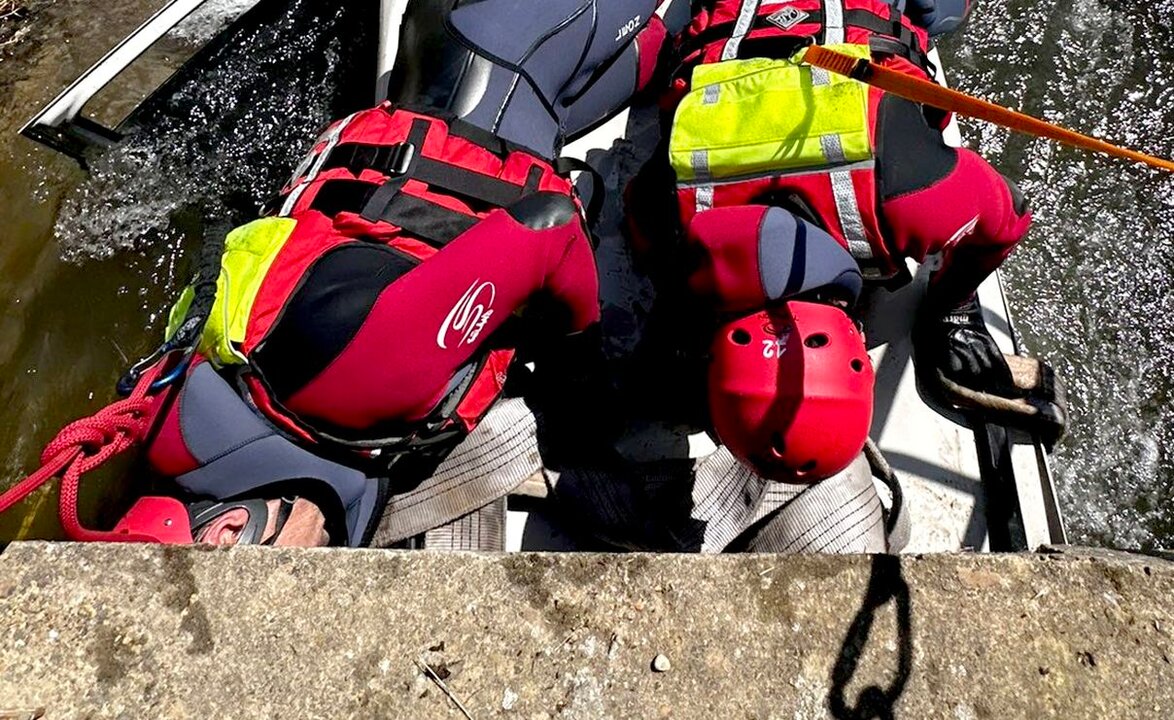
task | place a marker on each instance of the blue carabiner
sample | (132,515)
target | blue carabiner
(126,384)
(176,372)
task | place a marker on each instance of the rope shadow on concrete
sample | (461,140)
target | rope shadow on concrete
(885,584)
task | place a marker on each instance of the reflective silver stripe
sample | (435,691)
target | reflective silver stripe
(735,179)
(332,137)
(849,212)
(833,22)
(304,166)
(710,95)
(292,199)
(832,148)
(700,162)
(704,198)
(819,76)
(746,15)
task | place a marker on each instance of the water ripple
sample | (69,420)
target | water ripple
(1093,286)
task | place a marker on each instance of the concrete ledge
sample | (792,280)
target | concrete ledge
(154,632)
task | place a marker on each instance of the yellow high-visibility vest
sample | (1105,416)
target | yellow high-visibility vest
(745,118)
(249,251)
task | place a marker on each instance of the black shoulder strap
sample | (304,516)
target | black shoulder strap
(567,165)
(431,222)
(204,286)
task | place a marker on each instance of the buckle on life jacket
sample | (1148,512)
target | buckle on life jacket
(400,158)
(391,160)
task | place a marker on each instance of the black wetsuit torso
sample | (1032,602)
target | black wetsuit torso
(534,73)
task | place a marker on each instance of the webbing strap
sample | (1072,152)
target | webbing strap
(890,36)
(742,26)
(433,223)
(461,128)
(467,184)
(412,148)
(494,459)
(356,157)
(871,22)
(833,25)
(852,223)
(311,165)
(566,165)
(533,180)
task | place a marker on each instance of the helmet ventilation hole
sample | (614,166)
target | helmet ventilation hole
(806,468)
(817,340)
(740,337)
(857,365)
(777,446)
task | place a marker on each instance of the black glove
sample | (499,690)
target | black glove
(959,344)
(573,398)
(938,17)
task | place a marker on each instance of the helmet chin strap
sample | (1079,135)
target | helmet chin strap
(257,510)
(284,508)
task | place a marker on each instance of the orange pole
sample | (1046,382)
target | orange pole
(930,93)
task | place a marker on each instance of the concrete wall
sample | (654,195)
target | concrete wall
(153,632)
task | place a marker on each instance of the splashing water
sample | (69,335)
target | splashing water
(225,139)
(209,19)
(1093,285)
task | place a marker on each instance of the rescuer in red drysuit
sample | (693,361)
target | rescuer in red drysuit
(378,303)
(920,197)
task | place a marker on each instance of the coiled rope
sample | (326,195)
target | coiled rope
(84,445)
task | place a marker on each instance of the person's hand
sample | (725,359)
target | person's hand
(938,17)
(959,344)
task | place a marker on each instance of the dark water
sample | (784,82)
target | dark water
(1091,287)
(91,263)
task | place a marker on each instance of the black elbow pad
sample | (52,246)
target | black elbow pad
(1018,199)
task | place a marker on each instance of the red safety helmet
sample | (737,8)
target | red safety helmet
(170,521)
(163,518)
(790,391)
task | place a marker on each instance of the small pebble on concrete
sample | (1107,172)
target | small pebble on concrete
(660,663)
(508,699)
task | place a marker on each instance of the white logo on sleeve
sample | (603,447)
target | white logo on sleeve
(468,317)
(962,232)
(627,28)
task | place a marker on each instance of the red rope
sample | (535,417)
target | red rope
(84,445)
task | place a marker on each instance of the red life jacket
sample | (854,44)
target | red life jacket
(411,180)
(843,199)
(731,29)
